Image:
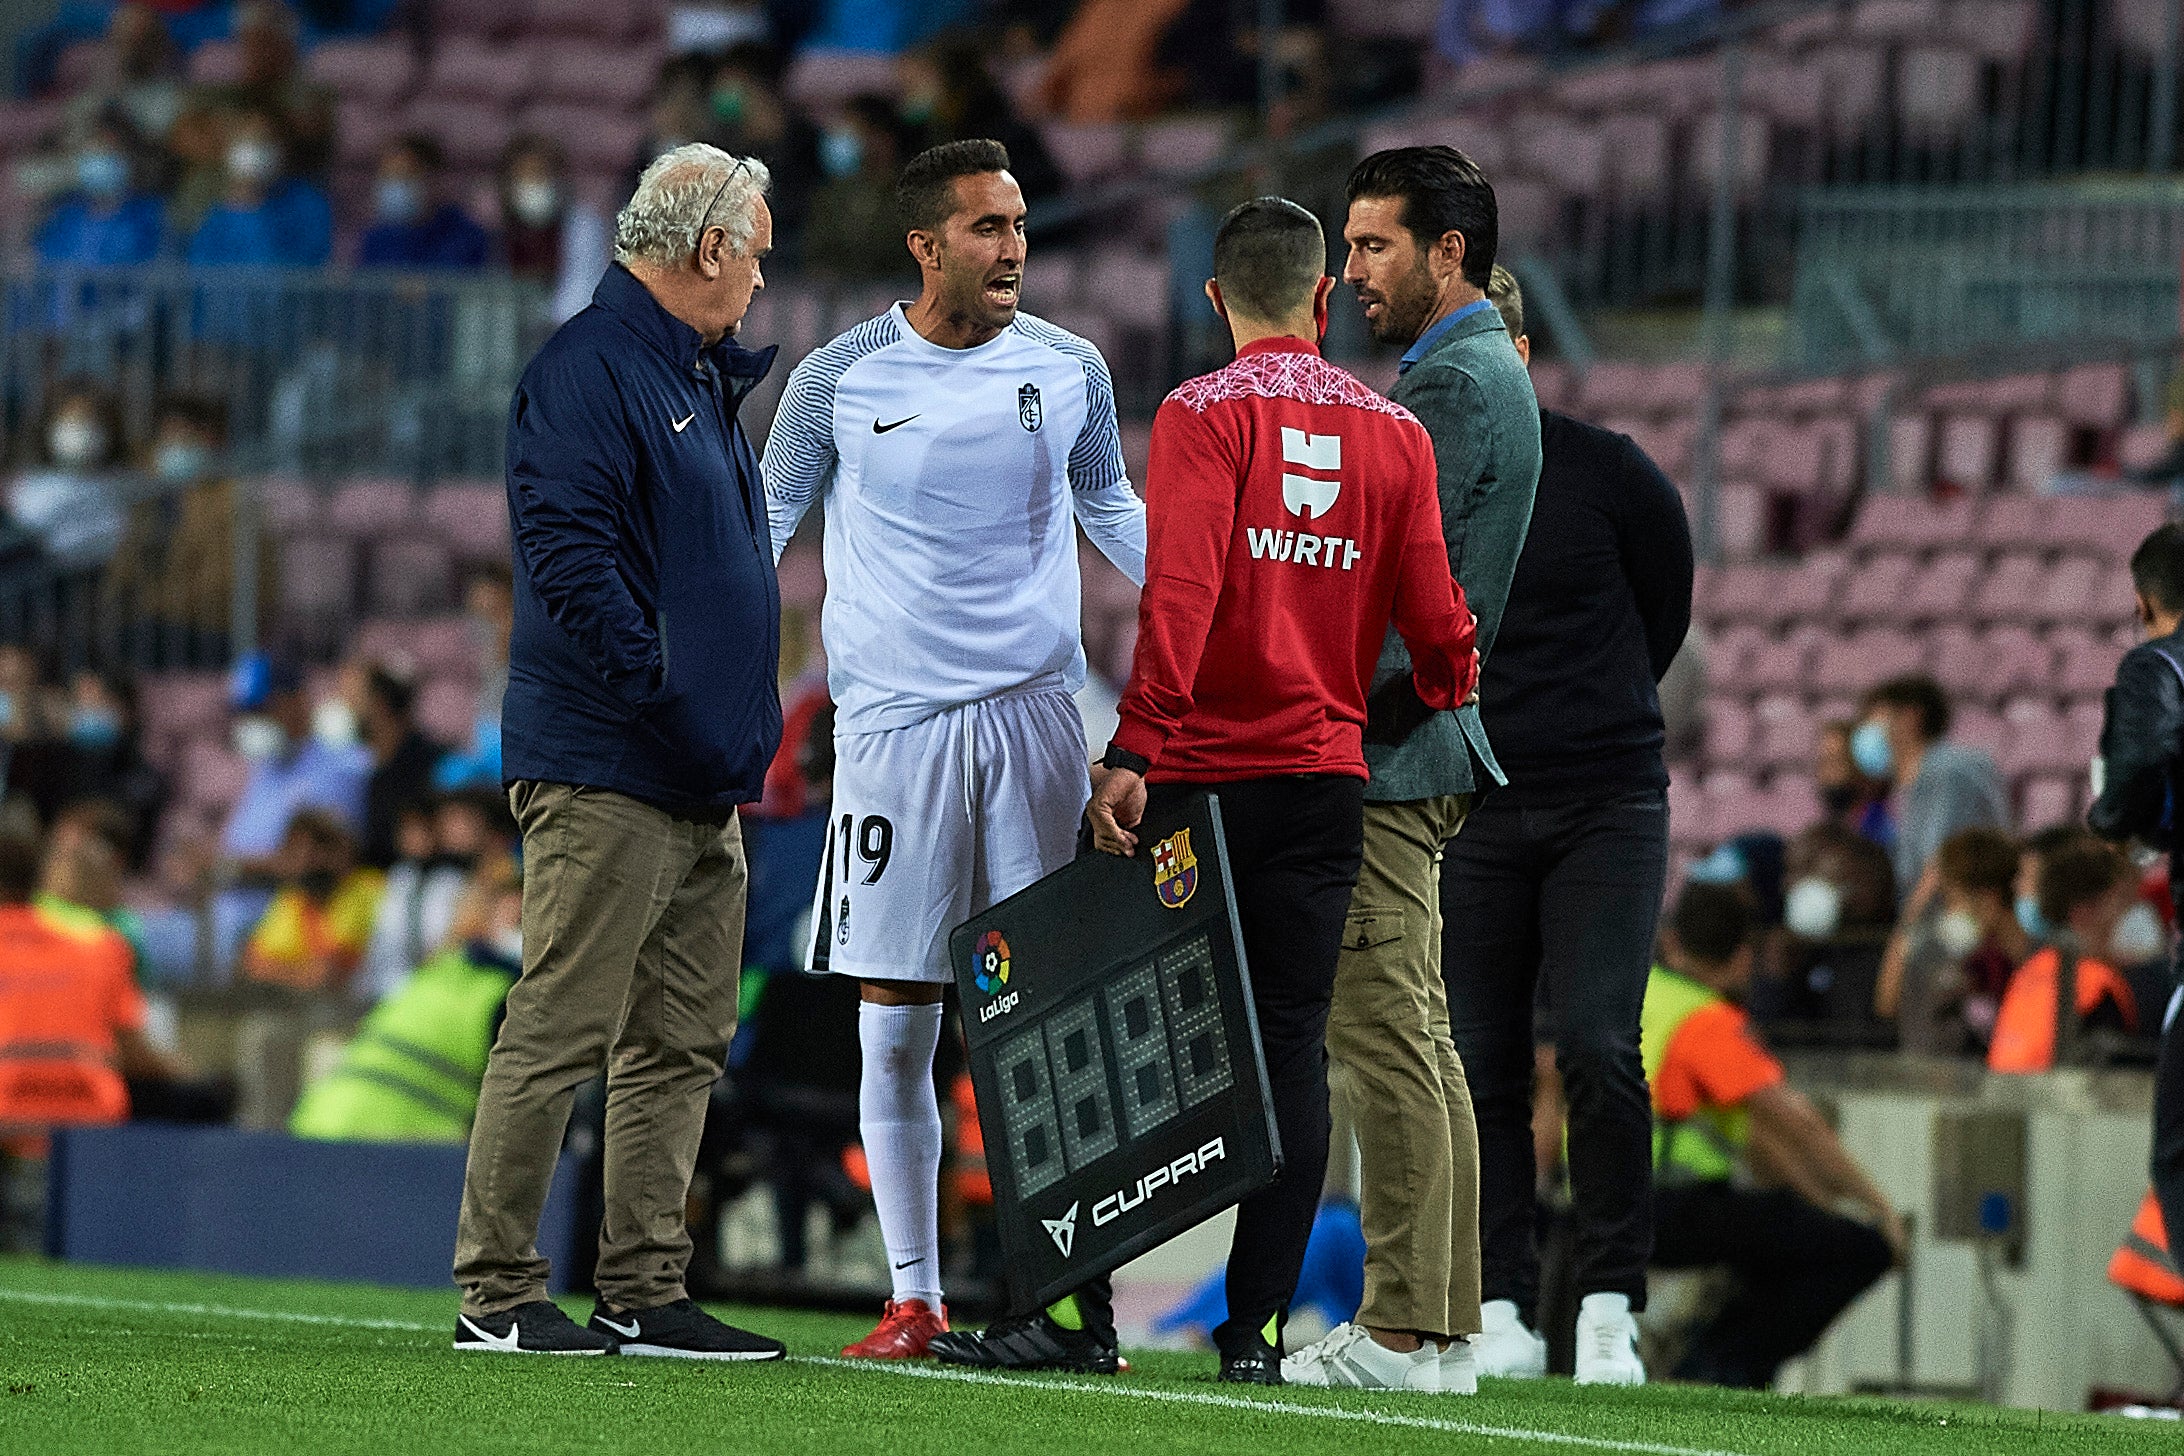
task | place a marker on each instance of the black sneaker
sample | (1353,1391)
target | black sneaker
(683,1331)
(1027,1342)
(537,1328)
(1255,1363)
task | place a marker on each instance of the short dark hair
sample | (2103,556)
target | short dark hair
(2077,876)
(2157,567)
(424,147)
(1980,860)
(1917,691)
(1507,296)
(1268,257)
(199,411)
(925,193)
(1443,191)
(1712,922)
(19,869)
(398,695)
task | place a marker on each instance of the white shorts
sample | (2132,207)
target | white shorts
(937,821)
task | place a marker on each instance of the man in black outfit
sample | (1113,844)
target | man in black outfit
(402,760)
(2142,749)
(1561,873)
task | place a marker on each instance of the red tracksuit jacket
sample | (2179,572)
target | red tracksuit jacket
(1291,513)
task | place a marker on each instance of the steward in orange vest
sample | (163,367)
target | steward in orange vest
(2082,891)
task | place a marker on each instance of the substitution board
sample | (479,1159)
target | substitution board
(1115,1055)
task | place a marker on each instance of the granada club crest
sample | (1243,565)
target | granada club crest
(1175,870)
(1028,412)
(992,969)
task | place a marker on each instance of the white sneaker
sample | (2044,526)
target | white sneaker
(1460,1367)
(1607,1342)
(1504,1347)
(1351,1358)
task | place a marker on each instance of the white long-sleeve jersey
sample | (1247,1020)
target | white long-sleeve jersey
(950,477)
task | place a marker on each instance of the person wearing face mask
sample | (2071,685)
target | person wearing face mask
(71,505)
(2084,892)
(546,235)
(1847,796)
(106,220)
(2135,781)
(1943,974)
(380,712)
(414,224)
(314,930)
(1944,787)
(106,760)
(411,1073)
(264,218)
(440,842)
(854,232)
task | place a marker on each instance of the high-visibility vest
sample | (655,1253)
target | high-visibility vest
(2143,1264)
(2025,1028)
(57,1054)
(1706,1146)
(411,1074)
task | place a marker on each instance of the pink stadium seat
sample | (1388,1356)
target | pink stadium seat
(1638,153)
(1853,77)
(1895,19)
(372,506)
(1183,144)
(216,63)
(1875,591)
(1617,388)
(2045,800)
(1853,664)
(466,68)
(2014,660)
(1909,522)
(2013,393)
(448,647)
(1131,286)
(2040,739)
(381,72)
(2097,395)
(2017,523)
(2083,662)
(824,79)
(577,70)
(213,776)
(1958,664)
(615,21)
(1939,592)
(2009,589)
(472,132)
(290,505)
(1970,450)
(1805,593)
(2141,445)
(1785,88)
(1788,731)
(478,17)
(1384,19)
(1529,209)
(361,130)
(1571,154)
(472,517)
(1938,91)
(1754,136)
(180,704)
(410,576)
(1689,821)
(2039,447)
(1983,729)
(1740,527)
(1911,454)
(447,709)
(1087,152)
(1729,731)
(592,136)
(391,642)
(2111,526)
(1998,29)
(1782,664)
(2070,590)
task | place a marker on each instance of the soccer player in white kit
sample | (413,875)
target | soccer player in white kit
(953,442)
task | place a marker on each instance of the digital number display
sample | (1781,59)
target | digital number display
(1154,1039)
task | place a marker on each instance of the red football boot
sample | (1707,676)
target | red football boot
(906,1327)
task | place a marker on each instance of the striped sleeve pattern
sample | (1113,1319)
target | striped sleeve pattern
(800,453)
(1095,460)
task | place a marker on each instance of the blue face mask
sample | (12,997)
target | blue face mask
(95,729)
(841,153)
(1869,750)
(398,199)
(7,709)
(102,174)
(2029,916)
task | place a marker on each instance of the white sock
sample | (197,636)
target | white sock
(1605,1305)
(899,1115)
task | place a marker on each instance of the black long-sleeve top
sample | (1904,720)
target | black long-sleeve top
(1599,607)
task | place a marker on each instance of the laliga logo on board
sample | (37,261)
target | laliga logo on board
(990,970)
(1175,870)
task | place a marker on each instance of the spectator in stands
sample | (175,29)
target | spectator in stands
(291,770)
(441,847)
(1945,969)
(2084,891)
(72,503)
(856,230)
(412,1072)
(1469,29)
(273,82)
(749,117)
(948,95)
(489,599)
(1105,65)
(1945,787)
(107,767)
(2043,845)
(416,225)
(71,1017)
(80,886)
(1841,885)
(110,218)
(546,235)
(266,217)
(1848,797)
(313,933)
(174,575)
(403,758)
(28,710)
(1725,1112)
(139,79)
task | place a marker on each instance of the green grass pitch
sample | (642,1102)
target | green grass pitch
(112,1360)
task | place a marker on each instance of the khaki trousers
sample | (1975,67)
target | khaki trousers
(632,944)
(1396,1076)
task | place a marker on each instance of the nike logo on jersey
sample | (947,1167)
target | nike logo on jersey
(488,1338)
(684,422)
(627,1332)
(880,429)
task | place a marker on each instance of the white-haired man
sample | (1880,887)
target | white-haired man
(953,439)
(641,710)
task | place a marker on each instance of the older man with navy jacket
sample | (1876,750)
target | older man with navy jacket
(641,710)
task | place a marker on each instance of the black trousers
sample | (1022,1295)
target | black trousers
(1797,1268)
(1571,892)
(2168,1162)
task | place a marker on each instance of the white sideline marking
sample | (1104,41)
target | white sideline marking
(1111,1389)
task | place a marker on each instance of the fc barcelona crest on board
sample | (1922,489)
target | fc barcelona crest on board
(1175,870)
(1027,407)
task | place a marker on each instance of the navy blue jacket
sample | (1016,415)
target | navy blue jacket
(647,639)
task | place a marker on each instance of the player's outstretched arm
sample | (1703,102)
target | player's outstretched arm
(1099,481)
(800,455)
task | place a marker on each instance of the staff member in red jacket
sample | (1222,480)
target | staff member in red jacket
(1292,513)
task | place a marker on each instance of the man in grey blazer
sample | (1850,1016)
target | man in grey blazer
(1421,232)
